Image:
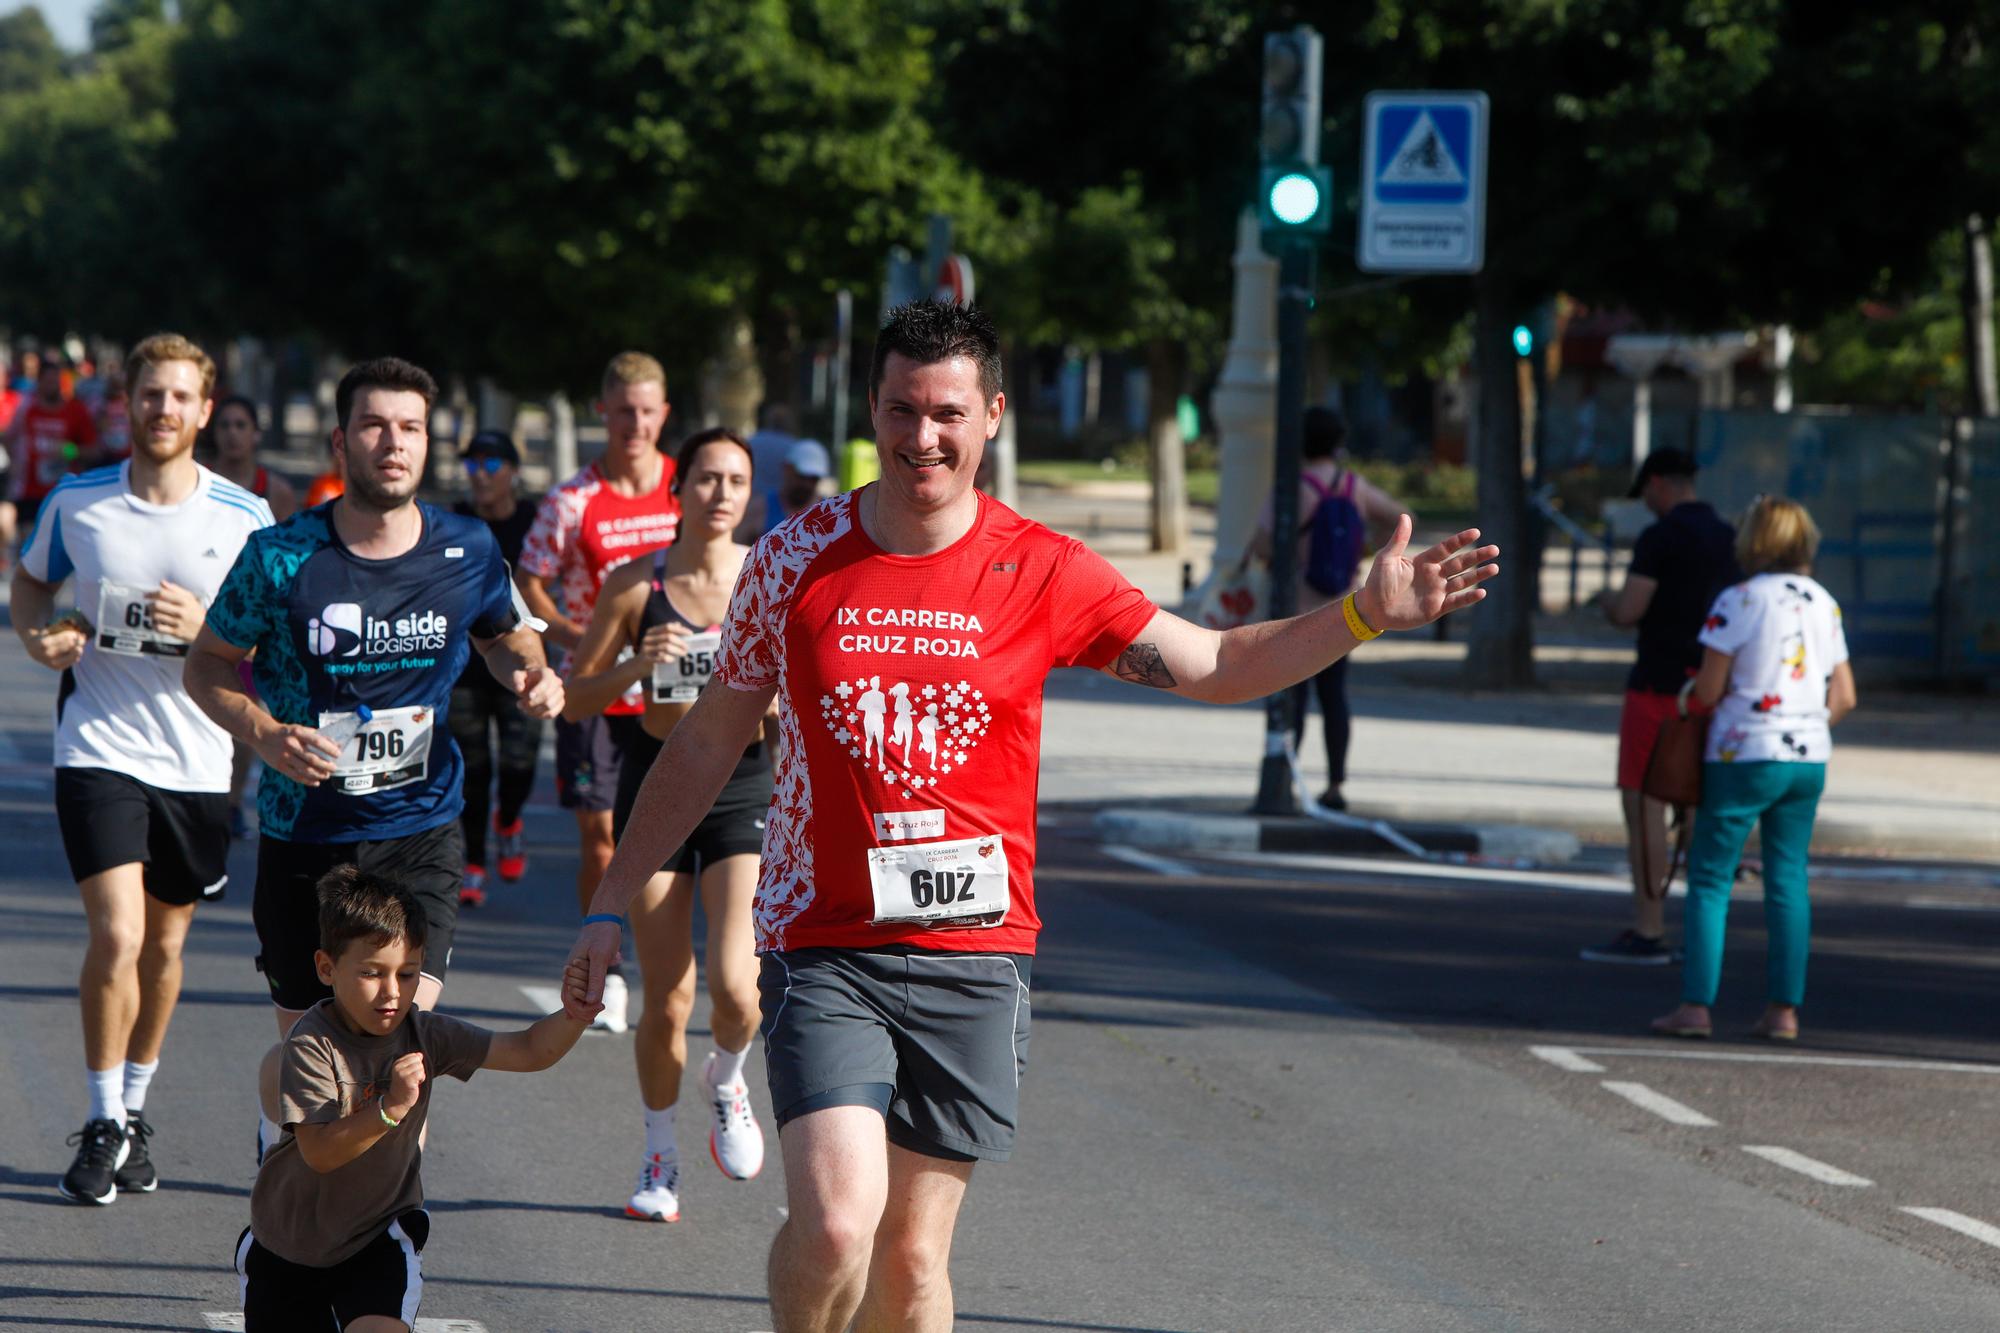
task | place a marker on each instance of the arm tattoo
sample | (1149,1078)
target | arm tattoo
(1142,664)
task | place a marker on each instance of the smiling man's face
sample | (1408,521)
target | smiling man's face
(931,428)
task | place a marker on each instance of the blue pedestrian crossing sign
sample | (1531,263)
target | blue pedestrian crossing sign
(1423,183)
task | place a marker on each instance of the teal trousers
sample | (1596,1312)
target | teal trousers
(1782,799)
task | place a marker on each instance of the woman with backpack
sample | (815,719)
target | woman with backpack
(1340,515)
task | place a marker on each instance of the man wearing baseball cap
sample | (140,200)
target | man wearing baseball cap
(807,466)
(486,720)
(1679,564)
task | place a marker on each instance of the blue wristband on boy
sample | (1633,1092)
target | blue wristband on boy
(607,917)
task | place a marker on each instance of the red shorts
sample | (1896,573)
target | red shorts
(1638,731)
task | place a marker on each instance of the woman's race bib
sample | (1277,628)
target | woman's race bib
(125,623)
(956,885)
(681,680)
(392,749)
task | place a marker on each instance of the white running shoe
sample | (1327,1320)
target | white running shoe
(734,1141)
(655,1200)
(612,1019)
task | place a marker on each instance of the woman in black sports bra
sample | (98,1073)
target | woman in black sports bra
(657,622)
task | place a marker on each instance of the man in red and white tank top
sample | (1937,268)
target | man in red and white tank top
(619,507)
(907,629)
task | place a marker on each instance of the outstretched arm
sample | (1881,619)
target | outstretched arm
(1231,666)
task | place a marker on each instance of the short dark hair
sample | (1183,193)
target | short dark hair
(356,906)
(236,400)
(384,372)
(931,331)
(700,440)
(1325,431)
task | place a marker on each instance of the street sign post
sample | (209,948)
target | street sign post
(1423,183)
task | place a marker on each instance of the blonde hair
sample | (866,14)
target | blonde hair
(1776,534)
(633,368)
(161,348)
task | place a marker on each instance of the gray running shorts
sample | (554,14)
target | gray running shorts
(949,1032)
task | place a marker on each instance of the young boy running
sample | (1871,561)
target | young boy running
(337,1222)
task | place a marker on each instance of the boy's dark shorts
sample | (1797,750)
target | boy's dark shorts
(385,1278)
(429,863)
(935,1041)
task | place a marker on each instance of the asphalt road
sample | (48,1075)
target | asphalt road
(1272,1096)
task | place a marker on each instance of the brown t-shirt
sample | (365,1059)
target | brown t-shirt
(319,1219)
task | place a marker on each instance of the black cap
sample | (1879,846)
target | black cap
(493,444)
(1662,463)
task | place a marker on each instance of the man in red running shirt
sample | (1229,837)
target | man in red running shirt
(907,629)
(621,506)
(47,439)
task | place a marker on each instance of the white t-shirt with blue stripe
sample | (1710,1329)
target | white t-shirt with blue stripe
(123,707)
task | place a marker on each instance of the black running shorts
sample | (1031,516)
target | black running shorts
(430,864)
(181,837)
(386,1278)
(733,826)
(949,1032)
(589,757)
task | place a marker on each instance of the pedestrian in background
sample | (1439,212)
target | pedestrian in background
(1679,565)
(486,719)
(1774,666)
(1340,514)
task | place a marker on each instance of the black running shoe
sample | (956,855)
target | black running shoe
(138,1173)
(1631,947)
(93,1176)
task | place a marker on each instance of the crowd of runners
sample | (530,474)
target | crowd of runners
(828,738)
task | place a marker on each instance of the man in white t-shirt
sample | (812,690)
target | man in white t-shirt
(142,777)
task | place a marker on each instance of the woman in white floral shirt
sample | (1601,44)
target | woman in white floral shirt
(1775,669)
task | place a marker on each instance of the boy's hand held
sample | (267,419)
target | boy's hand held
(406,1080)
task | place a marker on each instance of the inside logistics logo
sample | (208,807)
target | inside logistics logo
(343,629)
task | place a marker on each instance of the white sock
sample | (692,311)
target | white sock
(107,1094)
(137,1079)
(727,1071)
(268,1133)
(660,1134)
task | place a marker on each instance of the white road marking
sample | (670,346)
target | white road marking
(1662,1052)
(1959,1222)
(546,999)
(1159,865)
(1949,905)
(1807,1166)
(1377,868)
(219,1321)
(1659,1104)
(1562,1057)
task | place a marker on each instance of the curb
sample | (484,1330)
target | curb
(1186,831)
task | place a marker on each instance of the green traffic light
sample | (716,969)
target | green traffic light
(1524,340)
(1294,198)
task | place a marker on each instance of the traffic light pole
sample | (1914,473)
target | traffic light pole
(1297,258)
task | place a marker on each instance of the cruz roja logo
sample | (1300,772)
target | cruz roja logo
(342,629)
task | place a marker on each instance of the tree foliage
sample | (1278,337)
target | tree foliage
(29,56)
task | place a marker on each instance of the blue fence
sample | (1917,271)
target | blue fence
(1898,501)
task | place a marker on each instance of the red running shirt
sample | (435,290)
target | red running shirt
(44,432)
(911,706)
(584,530)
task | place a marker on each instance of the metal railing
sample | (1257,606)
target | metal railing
(1578,536)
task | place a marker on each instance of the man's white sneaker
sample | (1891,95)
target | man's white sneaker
(655,1200)
(612,1019)
(734,1141)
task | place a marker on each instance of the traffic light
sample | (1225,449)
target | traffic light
(1524,340)
(1294,193)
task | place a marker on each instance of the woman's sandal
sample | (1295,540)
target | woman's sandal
(1672,1025)
(1771,1031)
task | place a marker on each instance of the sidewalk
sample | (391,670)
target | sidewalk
(1912,775)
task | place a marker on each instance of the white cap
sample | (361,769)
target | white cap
(809,458)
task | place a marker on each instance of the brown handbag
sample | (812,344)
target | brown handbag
(1673,772)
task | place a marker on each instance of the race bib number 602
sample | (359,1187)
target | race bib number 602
(958,884)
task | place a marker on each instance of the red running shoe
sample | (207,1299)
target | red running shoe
(472,893)
(513,858)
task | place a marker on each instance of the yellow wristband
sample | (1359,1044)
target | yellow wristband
(1355,624)
(383,1111)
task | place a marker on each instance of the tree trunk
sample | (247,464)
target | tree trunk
(1982,388)
(1500,631)
(1166,451)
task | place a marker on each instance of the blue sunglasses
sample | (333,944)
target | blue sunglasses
(487,464)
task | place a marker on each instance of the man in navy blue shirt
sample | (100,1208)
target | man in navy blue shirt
(1679,564)
(372,601)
